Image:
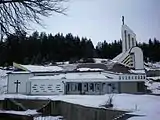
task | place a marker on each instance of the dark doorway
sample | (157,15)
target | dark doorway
(80,87)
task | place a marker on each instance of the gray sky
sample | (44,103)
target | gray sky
(101,19)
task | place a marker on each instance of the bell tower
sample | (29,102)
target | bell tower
(128,37)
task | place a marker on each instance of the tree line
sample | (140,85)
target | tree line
(42,48)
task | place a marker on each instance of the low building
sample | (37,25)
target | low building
(79,82)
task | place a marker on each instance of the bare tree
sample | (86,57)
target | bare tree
(15,15)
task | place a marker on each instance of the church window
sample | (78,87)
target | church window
(79,86)
(125,38)
(73,86)
(119,77)
(129,77)
(67,86)
(129,40)
(97,86)
(91,86)
(132,41)
(85,85)
(76,86)
(135,77)
(144,77)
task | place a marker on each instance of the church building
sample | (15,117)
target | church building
(123,74)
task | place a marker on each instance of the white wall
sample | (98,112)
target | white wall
(132,35)
(47,87)
(138,58)
(22,77)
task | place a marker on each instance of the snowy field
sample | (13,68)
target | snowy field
(145,105)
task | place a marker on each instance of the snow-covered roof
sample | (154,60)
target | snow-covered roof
(137,71)
(100,60)
(90,69)
(154,78)
(81,77)
(152,66)
(72,76)
(37,68)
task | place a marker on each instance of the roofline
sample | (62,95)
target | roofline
(74,71)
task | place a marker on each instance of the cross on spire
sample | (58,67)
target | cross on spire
(122,20)
(17,83)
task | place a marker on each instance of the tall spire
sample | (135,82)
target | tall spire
(122,20)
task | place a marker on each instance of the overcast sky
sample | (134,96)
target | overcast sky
(101,19)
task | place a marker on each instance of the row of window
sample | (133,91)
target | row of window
(84,86)
(132,77)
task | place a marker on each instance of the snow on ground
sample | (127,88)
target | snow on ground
(147,105)
(49,118)
(153,86)
(27,112)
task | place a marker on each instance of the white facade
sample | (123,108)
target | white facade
(128,38)
(70,83)
(46,87)
(22,77)
(137,58)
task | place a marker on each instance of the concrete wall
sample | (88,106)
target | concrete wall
(138,58)
(127,43)
(128,87)
(77,112)
(69,111)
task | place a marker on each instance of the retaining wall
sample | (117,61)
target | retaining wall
(69,111)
